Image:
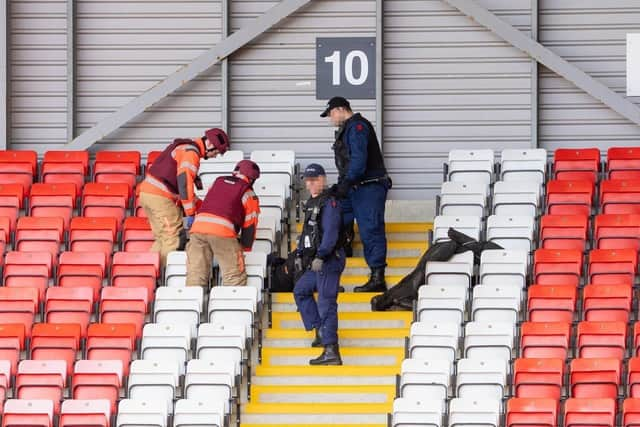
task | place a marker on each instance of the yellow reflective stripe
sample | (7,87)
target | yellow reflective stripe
(216,220)
(189,166)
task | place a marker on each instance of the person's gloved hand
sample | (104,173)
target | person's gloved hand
(188,222)
(298,264)
(340,191)
(316,265)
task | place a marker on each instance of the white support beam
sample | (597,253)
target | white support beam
(549,59)
(187,73)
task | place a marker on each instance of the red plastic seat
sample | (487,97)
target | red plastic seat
(569,198)
(137,235)
(52,200)
(620,197)
(633,378)
(631,413)
(595,378)
(82,269)
(602,340)
(56,341)
(97,379)
(93,235)
(124,305)
(18,167)
(5,234)
(151,157)
(66,167)
(5,378)
(636,340)
(12,342)
(105,200)
(612,266)
(136,269)
(538,378)
(35,234)
(590,412)
(576,164)
(43,379)
(69,305)
(607,303)
(117,167)
(28,270)
(31,413)
(563,232)
(557,267)
(19,305)
(111,341)
(90,413)
(617,232)
(526,412)
(548,303)
(545,340)
(623,163)
(11,201)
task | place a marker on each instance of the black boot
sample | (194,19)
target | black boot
(317,341)
(330,356)
(376,282)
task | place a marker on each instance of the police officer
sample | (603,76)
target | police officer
(321,257)
(362,186)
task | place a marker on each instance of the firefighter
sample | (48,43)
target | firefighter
(362,186)
(321,256)
(168,189)
(224,227)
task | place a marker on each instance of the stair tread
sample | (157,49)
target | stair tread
(395,227)
(344,297)
(328,371)
(317,408)
(393,262)
(343,333)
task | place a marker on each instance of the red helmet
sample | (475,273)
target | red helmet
(248,169)
(217,139)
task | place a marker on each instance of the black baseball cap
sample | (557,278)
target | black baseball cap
(314,170)
(335,102)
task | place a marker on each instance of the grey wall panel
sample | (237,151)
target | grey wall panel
(592,36)
(450,83)
(38,73)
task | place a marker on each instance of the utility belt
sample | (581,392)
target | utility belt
(384,180)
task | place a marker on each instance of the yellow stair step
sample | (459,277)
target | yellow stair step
(268,353)
(396,227)
(327,371)
(283,334)
(311,425)
(405,316)
(359,279)
(401,262)
(318,408)
(400,245)
(258,390)
(343,297)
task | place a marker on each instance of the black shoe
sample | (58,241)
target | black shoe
(330,356)
(376,282)
(348,250)
(340,288)
(317,341)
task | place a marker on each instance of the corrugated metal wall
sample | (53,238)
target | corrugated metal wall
(591,34)
(448,82)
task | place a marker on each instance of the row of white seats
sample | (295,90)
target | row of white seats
(462,413)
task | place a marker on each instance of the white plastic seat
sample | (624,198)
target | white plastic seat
(211,169)
(210,381)
(175,272)
(416,413)
(198,412)
(496,304)
(516,198)
(471,166)
(488,340)
(469,225)
(142,412)
(222,342)
(474,413)
(463,198)
(425,379)
(275,176)
(524,165)
(482,379)
(434,341)
(511,232)
(86,407)
(154,380)
(167,342)
(499,267)
(275,156)
(41,408)
(179,305)
(256,259)
(441,304)
(457,272)
(233,304)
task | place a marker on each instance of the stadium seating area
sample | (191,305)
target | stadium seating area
(542,332)
(91,325)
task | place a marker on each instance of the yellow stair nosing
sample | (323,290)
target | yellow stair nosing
(345,351)
(324,389)
(383,333)
(327,371)
(401,245)
(360,279)
(343,297)
(395,227)
(351,315)
(399,262)
(317,408)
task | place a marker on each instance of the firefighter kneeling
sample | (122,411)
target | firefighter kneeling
(231,208)
(321,256)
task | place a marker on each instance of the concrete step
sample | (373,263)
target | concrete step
(351,320)
(351,356)
(347,302)
(323,394)
(316,413)
(348,338)
(392,227)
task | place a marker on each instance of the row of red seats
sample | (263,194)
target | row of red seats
(584,164)
(40,413)
(577,412)
(578,197)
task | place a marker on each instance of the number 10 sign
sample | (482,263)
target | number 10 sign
(346,66)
